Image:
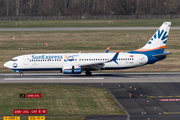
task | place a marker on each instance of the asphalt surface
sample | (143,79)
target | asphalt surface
(144,102)
(84,28)
(96,78)
(146,89)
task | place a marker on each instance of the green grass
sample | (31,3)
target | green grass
(81,40)
(65,118)
(55,118)
(58,99)
(88,23)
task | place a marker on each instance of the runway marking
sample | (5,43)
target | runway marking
(171,112)
(162,96)
(31,74)
(165,100)
(53,78)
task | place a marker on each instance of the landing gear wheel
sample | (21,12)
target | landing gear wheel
(21,74)
(88,73)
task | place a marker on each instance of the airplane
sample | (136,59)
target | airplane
(76,63)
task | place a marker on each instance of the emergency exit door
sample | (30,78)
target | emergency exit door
(25,61)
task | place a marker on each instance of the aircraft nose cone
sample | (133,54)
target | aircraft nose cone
(6,64)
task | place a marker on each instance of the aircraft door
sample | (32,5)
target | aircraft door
(25,61)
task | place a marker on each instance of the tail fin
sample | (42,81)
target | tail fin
(158,41)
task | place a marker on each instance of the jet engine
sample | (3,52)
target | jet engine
(71,70)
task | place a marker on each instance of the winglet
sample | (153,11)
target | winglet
(107,50)
(115,57)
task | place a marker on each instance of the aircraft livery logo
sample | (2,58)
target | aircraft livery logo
(162,35)
(15,65)
(69,58)
(49,57)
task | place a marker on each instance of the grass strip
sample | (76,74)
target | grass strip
(88,23)
(58,99)
(53,118)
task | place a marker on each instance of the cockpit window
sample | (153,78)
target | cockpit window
(14,59)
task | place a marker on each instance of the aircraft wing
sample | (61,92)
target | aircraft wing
(93,65)
(99,64)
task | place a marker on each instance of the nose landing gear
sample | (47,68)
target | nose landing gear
(21,74)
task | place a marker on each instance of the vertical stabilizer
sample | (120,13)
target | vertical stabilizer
(158,40)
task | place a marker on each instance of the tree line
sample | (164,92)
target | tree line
(88,7)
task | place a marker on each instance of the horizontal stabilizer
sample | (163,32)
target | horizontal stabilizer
(163,54)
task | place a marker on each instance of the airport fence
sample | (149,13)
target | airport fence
(95,17)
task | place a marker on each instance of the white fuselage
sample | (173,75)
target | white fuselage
(56,61)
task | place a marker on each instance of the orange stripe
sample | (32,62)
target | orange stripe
(108,48)
(118,50)
(71,68)
(66,56)
(143,49)
(78,67)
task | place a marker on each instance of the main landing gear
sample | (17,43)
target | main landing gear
(88,73)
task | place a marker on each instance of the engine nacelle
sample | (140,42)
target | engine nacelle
(71,70)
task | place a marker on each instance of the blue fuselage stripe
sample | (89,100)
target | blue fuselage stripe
(150,54)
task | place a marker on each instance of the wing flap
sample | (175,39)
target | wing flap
(94,65)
